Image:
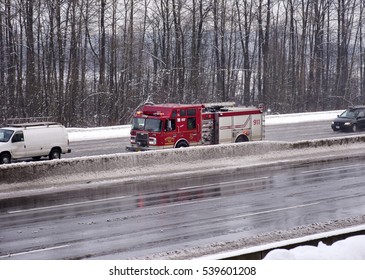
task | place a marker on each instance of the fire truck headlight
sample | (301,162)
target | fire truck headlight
(133,139)
(152,141)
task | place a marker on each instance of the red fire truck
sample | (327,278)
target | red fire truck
(164,126)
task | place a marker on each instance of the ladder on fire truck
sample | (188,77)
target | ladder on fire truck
(219,104)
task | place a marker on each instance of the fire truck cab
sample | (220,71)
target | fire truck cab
(182,125)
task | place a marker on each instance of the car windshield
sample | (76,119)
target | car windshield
(349,114)
(5,134)
(152,125)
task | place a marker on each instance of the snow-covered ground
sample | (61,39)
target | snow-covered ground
(350,248)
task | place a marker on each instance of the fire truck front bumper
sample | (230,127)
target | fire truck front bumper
(136,148)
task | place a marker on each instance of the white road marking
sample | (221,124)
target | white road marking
(276,210)
(33,251)
(331,168)
(67,204)
(225,183)
(174,204)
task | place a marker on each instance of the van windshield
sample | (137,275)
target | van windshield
(5,134)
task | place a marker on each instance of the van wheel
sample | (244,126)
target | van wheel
(5,158)
(55,154)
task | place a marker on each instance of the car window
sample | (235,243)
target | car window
(18,137)
(349,114)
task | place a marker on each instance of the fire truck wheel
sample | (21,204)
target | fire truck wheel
(241,138)
(182,144)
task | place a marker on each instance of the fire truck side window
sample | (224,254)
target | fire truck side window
(182,113)
(191,112)
(191,123)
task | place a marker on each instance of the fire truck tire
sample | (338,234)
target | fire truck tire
(241,138)
(182,144)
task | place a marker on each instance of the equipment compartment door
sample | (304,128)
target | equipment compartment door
(225,129)
(241,125)
(257,127)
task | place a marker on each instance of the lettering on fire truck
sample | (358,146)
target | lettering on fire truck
(163,126)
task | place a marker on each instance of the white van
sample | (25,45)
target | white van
(33,140)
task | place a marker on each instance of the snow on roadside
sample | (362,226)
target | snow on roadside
(302,117)
(351,248)
(98,133)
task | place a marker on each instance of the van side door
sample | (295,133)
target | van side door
(19,149)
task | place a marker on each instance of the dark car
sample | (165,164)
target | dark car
(353,119)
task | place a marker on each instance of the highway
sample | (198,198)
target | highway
(151,218)
(164,218)
(286,132)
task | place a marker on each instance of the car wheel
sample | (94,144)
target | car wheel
(354,128)
(55,154)
(5,158)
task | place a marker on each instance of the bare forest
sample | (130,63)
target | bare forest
(94,62)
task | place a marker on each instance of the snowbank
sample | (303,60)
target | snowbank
(97,133)
(301,117)
(351,248)
(350,243)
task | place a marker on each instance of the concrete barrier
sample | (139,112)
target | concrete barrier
(40,170)
(34,172)
(328,142)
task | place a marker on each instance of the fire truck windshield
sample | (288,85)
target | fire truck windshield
(152,125)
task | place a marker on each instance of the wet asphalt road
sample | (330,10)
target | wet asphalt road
(154,217)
